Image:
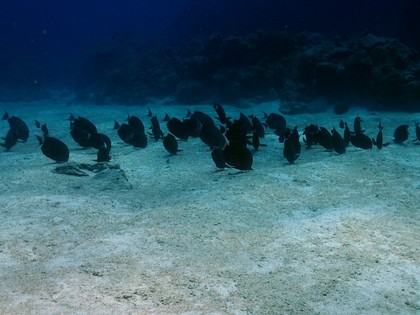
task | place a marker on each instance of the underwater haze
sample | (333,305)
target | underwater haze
(49,44)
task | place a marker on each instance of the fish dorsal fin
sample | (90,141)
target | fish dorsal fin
(5,116)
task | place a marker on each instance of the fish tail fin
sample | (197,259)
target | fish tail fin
(5,116)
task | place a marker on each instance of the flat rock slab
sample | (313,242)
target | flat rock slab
(83,169)
(108,176)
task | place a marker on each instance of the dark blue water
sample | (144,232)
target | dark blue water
(46,42)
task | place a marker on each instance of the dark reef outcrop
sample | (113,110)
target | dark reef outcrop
(259,67)
(299,69)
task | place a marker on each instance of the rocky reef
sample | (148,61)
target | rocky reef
(261,66)
(382,73)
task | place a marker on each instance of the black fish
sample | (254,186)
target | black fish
(341,108)
(103,144)
(132,132)
(360,140)
(289,150)
(310,133)
(218,158)
(357,125)
(347,134)
(294,137)
(339,145)
(204,119)
(275,121)
(157,133)
(379,138)
(37,124)
(255,141)
(379,142)
(221,114)
(211,136)
(80,135)
(149,113)
(170,144)
(245,123)
(401,134)
(124,131)
(85,124)
(18,124)
(341,124)
(11,139)
(193,127)
(417,132)
(103,155)
(100,141)
(238,156)
(138,139)
(54,149)
(283,133)
(107,141)
(324,138)
(135,123)
(258,127)
(104,148)
(81,129)
(237,133)
(178,128)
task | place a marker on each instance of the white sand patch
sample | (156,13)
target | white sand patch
(329,235)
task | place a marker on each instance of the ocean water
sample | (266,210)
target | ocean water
(104,51)
(153,233)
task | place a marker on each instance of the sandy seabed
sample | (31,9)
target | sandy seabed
(331,234)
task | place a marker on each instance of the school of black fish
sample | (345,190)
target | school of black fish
(232,142)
